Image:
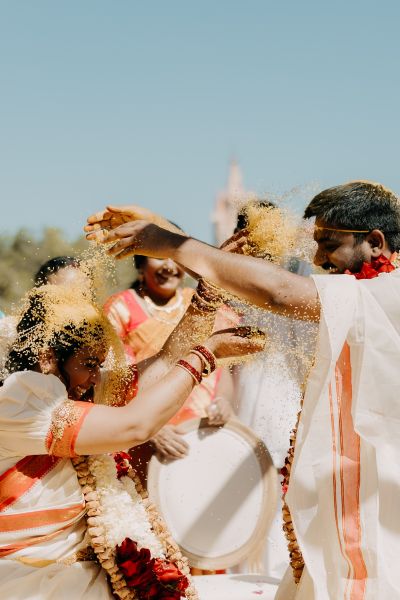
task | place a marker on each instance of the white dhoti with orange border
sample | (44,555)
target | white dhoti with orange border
(344,492)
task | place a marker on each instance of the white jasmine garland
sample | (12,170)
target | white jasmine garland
(123,513)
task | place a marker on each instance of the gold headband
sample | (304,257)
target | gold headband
(318,228)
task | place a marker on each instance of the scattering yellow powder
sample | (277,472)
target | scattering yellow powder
(75,310)
(277,233)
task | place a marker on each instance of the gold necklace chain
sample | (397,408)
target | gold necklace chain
(172,313)
(169,308)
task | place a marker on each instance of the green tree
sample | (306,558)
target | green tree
(21,256)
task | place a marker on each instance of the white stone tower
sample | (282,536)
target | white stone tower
(228,204)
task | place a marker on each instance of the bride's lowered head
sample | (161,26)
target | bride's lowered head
(61,333)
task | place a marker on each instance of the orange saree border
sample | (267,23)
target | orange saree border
(19,479)
(350,476)
(10,549)
(67,420)
(39,518)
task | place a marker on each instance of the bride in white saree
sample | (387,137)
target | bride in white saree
(48,418)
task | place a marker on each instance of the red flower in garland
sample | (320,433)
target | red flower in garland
(136,565)
(122,461)
(157,592)
(152,579)
(374,268)
(169,575)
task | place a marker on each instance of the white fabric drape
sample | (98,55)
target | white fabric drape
(27,400)
(344,491)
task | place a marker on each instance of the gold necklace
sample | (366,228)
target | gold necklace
(168,308)
(178,305)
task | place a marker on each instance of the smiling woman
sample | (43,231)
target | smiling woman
(63,334)
(48,429)
(145,314)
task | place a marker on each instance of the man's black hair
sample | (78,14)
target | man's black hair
(361,205)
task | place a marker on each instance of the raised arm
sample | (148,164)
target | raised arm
(191,330)
(108,429)
(195,326)
(256,280)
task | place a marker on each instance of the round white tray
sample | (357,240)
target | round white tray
(219,501)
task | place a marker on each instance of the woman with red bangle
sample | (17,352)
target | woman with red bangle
(53,435)
(144,316)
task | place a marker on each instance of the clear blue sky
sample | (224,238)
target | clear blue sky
(131,101)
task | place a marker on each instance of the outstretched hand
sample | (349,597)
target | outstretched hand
(219,411)
(236,342)
(240,243)
(139,237)
(169,443)
(113,217)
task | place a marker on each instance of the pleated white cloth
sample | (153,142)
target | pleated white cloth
(41,503)
(344,490)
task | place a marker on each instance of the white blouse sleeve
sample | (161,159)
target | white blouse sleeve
(27,402)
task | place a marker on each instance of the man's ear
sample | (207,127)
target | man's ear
(47,362)
(377,241)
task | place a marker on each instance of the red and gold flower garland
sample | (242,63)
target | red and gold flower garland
(133,573)
(295,555)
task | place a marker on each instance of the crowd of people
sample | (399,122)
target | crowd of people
(61,408)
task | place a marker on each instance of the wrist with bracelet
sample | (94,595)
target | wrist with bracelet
(207,360)
(207,297)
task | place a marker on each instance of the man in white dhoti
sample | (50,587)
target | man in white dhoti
(344,488)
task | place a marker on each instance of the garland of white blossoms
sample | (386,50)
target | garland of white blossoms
(119,508)
(123,513)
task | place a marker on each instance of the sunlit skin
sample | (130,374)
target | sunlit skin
(338,251)
(80,372)
(83,372)
(258,281)
(161,279)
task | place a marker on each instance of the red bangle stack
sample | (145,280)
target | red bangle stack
(207,358)
(206,297)
(197,376)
